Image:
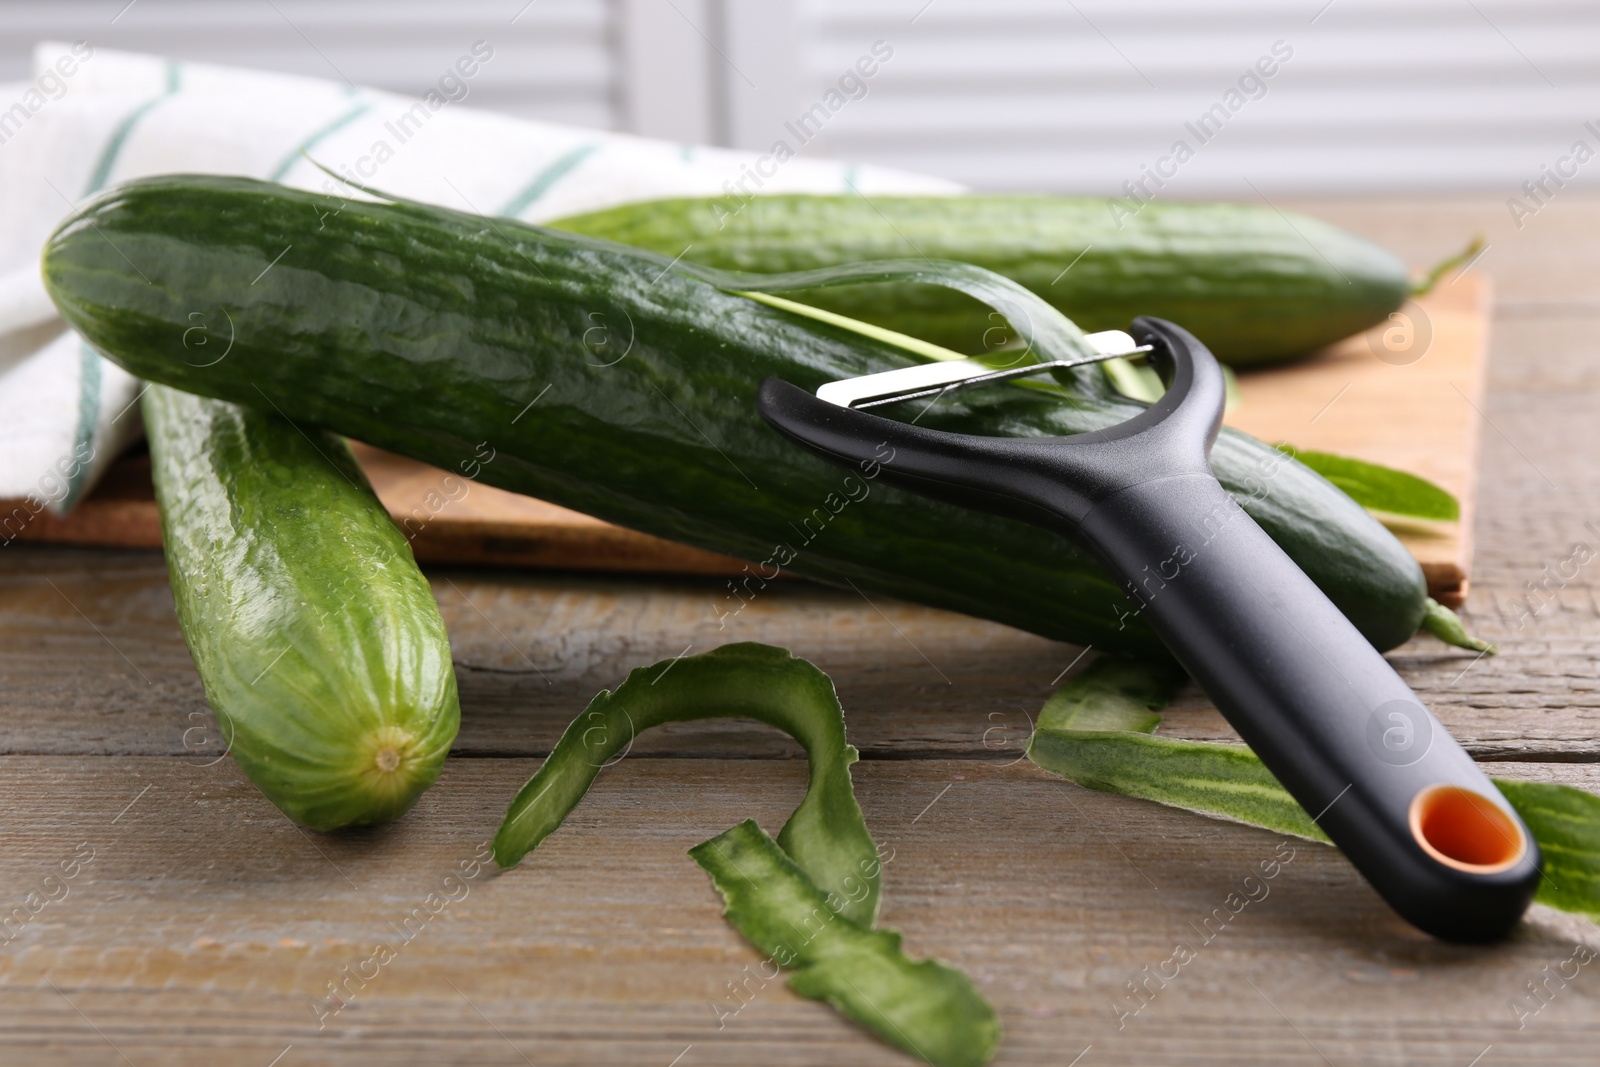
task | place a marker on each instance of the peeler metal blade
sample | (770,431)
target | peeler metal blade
(934,379)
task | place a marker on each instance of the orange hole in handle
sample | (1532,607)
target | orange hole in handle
(1465,830)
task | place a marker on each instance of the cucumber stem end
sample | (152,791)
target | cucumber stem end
(1424,285)
(1445,624)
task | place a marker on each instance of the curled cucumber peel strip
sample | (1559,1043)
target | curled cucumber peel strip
(809,899)
(1380,488)
(827,834)
(923,1007)
(1039,324)
(1096,730)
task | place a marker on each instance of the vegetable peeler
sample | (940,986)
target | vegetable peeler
(1323,709)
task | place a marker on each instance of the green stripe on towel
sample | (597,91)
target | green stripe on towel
(91,373)
(119,136)
(546,178)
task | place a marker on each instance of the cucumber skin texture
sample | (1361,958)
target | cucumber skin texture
(1256,286)
(428,332)
(317,638)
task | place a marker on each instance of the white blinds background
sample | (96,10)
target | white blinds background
(557,61)
(1376,95)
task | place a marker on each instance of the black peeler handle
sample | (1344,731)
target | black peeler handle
(1321,707)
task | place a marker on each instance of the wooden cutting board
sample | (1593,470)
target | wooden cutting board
(1416,408)
(1408,394)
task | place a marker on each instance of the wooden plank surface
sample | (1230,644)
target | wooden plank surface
(1416,408)
(206,927)
(609,947)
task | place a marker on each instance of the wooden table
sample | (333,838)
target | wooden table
(207,928)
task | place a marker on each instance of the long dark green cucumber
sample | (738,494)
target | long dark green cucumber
(318,640)
(1257,286)
(606,382)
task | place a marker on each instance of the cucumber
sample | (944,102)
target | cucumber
(316,637)
(597,377)
(1256,285)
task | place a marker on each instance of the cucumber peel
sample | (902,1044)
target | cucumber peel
(827,834)
(1566,823)
(1096,731)
(808,900)
(924,1007)
(1380,488)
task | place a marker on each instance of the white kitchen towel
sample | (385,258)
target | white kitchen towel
(92,118)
